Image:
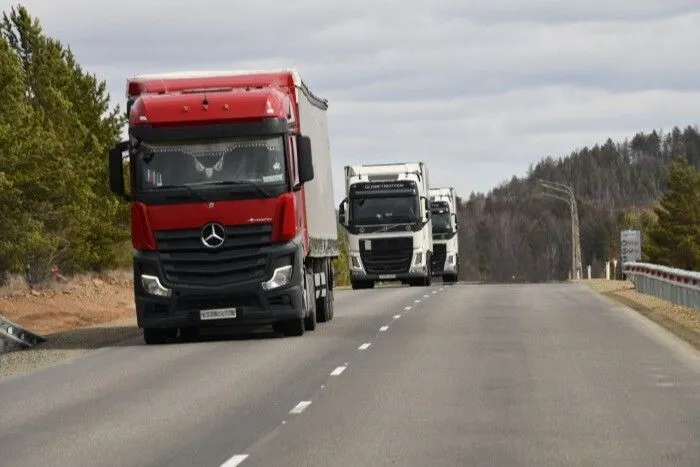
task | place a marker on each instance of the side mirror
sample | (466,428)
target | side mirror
(426,212)
(342,213)
(454,219)
(306,166)
(116,168)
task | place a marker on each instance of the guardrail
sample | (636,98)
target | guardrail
(12,335)
(675,285)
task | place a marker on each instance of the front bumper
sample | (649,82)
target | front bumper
(417,269)
(362,276)
(254,305)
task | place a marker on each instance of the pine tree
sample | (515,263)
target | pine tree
(64,182)
(675,239)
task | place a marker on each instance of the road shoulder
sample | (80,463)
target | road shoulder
(683,322)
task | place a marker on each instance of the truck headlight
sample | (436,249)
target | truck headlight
(419,259)
(152,285)
(355,262)
(281,276)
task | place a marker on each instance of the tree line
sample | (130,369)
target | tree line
(651,183)
(56,126)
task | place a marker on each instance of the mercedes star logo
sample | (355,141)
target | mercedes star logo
(213,235)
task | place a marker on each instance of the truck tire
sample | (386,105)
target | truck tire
(310,301)
(189,334)
(449,278)
(292,327)
(157,336)
(428,280)
(324,303)
(362,284)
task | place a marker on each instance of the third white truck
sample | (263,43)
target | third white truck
(445,260)
(386,213)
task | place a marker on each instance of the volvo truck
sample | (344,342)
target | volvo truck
(443,207)
(232,214)
(386,213)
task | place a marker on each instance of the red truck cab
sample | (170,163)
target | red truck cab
(218,167)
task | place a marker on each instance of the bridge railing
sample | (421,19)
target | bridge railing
(674,285)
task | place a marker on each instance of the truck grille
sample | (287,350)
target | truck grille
(387,255)
(439,256)
(243,256)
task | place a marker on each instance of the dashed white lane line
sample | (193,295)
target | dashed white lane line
(383,328)
(299,408)
(397,316)
(434,291)
(338,371)
(426,296)
(364,346)
(235,460)
(406,308)
(441,289)
(416,301)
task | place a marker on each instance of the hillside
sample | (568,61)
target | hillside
(515,233)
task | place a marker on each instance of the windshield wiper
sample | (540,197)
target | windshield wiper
(252,183)
(189,189)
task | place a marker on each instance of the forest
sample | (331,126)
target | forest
(515,233)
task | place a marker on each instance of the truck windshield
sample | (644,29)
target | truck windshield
(440,218)
(257,160)
(441,222)
(390,210)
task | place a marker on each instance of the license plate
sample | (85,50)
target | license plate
(217,313)
(387,276)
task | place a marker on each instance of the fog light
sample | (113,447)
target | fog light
(280,277)
(152,285)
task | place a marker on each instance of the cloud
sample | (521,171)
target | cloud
(477,89)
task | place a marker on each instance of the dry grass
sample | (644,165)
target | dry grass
(84,300)
(683,322)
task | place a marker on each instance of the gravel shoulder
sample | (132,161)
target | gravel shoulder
(85,313)
(681,321)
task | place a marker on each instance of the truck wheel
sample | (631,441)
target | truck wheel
(189,334)
(310,302)
(324,304)
(310,321)
(293,327)
(157,336)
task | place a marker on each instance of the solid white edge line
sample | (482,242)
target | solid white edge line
(364,346)
(397,316)
(299,408)
(338,371)
(384,328)
(235,460)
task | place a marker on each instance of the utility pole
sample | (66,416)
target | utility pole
(576,260)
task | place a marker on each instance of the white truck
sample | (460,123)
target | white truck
(443,207)
(386,213)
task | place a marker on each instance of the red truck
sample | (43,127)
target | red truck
(231,193)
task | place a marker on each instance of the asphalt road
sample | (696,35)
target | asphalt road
(547,374)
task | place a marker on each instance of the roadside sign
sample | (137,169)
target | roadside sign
(630,246)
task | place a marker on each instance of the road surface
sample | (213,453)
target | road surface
(548,374)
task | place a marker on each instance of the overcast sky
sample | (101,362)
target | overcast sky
(476,89)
